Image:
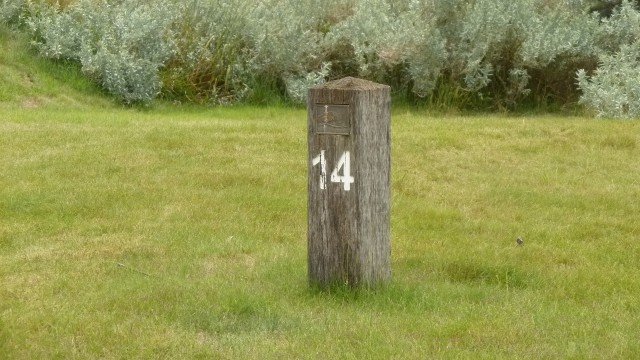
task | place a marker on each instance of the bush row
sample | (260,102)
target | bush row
(493,54)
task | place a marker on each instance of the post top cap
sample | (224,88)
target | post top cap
(350,83)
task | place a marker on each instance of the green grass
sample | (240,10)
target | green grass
(182,234)
(31,82)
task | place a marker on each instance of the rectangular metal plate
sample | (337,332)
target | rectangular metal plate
(332,119)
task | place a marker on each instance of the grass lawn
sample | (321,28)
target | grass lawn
(181,233)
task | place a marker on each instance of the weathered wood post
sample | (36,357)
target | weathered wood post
(349,183)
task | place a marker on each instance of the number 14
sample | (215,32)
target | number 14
(344,164)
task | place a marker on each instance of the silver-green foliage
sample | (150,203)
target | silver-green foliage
(297,86)
(500,41)
(385,34)
(122,44)
(220,51)
(10,10)
(284,44)
(210,61)
(613,90)
(476,44)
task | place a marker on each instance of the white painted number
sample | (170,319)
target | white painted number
(323,169)
(344,164)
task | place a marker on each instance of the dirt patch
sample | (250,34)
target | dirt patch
(34,102)
(28,80)
(31,102)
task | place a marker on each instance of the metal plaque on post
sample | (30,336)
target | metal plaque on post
(331,119)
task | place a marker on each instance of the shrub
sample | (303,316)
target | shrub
(460,53)
(10,11)
(121,44)
(393,41)
(614,89)
(297,86)
(210,60)
(504,47)
(285,45)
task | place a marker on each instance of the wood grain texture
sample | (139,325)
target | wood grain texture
(349,231)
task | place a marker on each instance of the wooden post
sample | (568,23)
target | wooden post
(349,183)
